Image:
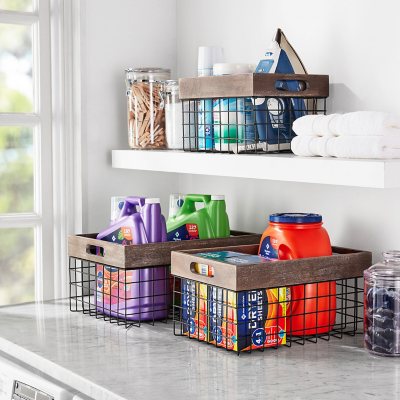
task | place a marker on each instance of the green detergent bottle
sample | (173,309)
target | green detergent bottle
(219,217)
(189,223)
(204,223)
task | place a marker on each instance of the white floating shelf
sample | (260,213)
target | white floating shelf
(277,167)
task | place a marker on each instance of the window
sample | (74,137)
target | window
(26,188)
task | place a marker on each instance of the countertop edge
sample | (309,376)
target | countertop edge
(57,372)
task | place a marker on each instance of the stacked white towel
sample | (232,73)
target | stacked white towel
(362,134)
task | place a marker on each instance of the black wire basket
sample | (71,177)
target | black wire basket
(304,308)
(248,113)
(260,319)
(121,296)
(129,285)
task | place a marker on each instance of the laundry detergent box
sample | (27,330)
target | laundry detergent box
(244,320)
(247,320)
(194,309)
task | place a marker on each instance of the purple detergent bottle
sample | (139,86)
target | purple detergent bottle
(154,282)
(154,221)
(131,204)
(137,295)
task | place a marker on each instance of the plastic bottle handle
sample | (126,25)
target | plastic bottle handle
(190,199)
(198,198)
(135,200)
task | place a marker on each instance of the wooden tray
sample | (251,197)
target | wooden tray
(347,263)
(145,255)
(251,85)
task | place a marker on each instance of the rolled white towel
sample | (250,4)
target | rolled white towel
(360,147)
(391,138)
(301,145)
(363,123)
(303,126)
(318,146)
(321,125)
(314,125)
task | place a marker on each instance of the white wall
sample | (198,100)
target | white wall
(352,41)
(117,35)
(356,43)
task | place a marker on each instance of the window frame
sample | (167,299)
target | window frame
(56,137)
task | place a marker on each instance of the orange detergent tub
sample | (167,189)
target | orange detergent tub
(312,309)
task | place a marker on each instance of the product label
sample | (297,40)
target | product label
(222,318)
(229,120)
(252,315)
(232,257)
(122,235)
(194,309)
(269,248)
(249,121)
(205,124)
(111,287)
(184,232)
(248,319)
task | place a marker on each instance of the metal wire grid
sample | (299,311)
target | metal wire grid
(195,316)
(244,125)
(120,296)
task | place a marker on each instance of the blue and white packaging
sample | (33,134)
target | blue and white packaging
(207,57)
(233,118)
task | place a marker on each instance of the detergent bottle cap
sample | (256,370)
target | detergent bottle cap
(152,200)
(295,218)
(218,197)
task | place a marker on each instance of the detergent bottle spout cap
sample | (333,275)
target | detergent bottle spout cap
(218,197)
(152,200)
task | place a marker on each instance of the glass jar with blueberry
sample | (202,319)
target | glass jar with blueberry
(382,306)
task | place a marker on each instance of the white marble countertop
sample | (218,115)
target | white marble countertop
(105,361)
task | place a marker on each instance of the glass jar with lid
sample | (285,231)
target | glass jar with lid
(173,115)
(146,114)
(382,306)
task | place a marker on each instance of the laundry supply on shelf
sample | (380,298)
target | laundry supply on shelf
(362,147)
(146,114)
(207,57)
(274,115)
(314,125)
(173,115)
(233,118)
(363,134)
(359,123)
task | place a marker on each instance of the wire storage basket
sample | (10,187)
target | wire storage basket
(123,296)
(128,285)
(247,113)
(242,308)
